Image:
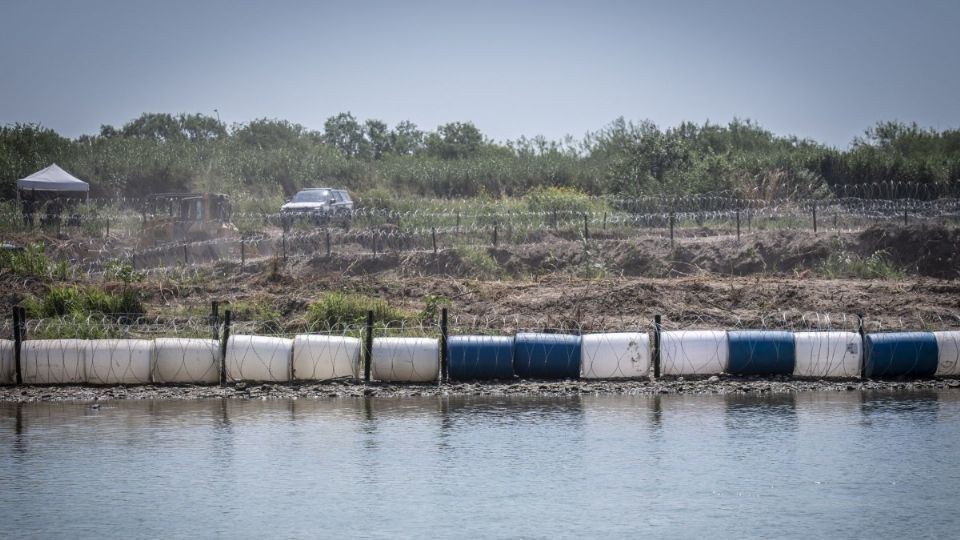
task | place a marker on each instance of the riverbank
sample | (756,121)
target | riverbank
(346,389)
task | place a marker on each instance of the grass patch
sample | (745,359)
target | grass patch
(478,261)
(345,310)
(123,305)
(846,264)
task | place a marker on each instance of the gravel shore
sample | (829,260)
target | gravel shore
(340,389)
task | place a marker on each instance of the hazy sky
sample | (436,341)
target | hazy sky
(820,69)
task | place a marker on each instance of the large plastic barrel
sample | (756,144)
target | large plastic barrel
(8,359)
(321,358)
(119,361)
(546,356)
(186,360)
(397,359)
(760,352)
(258,358)
(901,354)
(693,352)
(621,355)
(54,361)
(948,346)
(827,354)
(480,357)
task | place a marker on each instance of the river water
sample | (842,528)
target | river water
(808,465)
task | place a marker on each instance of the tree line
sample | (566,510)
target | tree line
(159,152)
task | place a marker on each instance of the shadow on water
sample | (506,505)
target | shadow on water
(920,407)
(745,413)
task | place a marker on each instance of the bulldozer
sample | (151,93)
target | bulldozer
(186,217)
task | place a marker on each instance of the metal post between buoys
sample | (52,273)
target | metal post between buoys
(17,343)
(863,343)
(223,347)
(656,346)
(368,347)
(215,319)
(444,355)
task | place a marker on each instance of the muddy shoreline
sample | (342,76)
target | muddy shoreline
(350,389)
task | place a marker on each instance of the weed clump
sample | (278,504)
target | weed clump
(343,310)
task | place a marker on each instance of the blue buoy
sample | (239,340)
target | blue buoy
(546,356)
(901,354)
(761,352)
(480,357)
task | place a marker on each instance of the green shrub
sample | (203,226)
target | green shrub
(31,261)
(561,199)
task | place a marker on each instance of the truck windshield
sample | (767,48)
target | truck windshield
(319,195)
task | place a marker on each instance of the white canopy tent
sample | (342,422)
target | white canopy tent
(52,179)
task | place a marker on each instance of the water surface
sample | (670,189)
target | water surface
(806,465)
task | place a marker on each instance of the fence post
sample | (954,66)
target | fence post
(243,253)
(17,343)
(368,347)
(556,222)
(604,221)
(433,235)
(108,227)
(215,319)
(905,217)
(863,343)
(671,230)
(495,235)
(749,221)
(284,247)
(738,224)
(186,258)
(328,242)
(656,346)
(444,355)
(814,218)
(458,223)
(223,347)
(586,229)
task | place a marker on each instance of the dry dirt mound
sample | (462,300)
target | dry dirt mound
(927,251)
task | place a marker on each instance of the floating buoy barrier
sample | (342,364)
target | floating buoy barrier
(400,359)
(900,354)
(258,358)
(186,360)
(760,352)
(8,362)
(321,358)
(546,356)
(54,361)
(622,355)
(480,357)
(948,358)
(827,354)
(119,361)
(693,352)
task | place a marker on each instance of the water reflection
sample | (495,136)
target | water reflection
(672,465)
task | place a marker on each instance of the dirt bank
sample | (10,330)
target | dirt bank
(349,389)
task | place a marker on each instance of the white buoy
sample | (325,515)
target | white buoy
(948,347)
(615,355)
(693,352)
(53,361)
(185,360)
(320,358)
(8,362)
(397,359)
(827,354)
(258,358)
(119,361)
